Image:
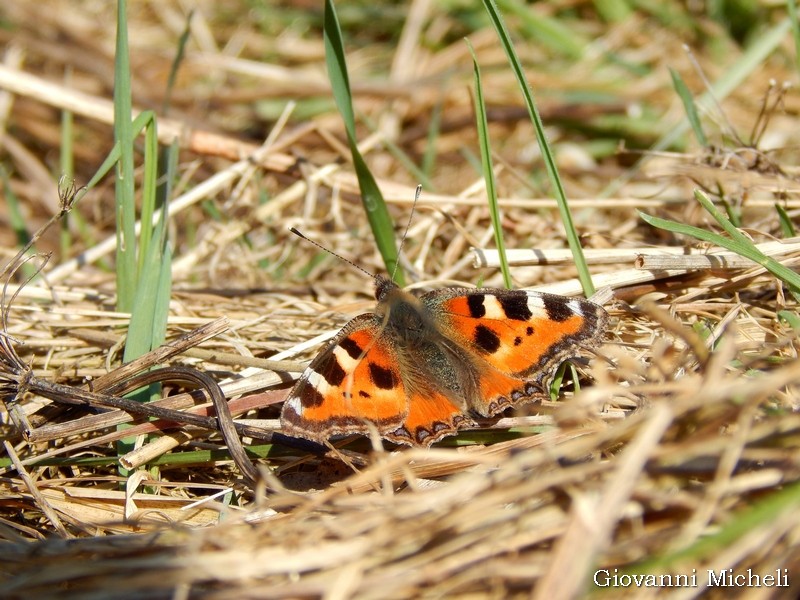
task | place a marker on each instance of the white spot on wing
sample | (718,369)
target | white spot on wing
(536,306)
(317,381)
(493,308)
(293,404)
(345,360)
(309,378)
(575,307)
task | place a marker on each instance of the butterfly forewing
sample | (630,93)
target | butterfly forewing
(520,333)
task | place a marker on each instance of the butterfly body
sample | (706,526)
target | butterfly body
(417,369)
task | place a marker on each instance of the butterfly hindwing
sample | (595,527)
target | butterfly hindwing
(353,380)
(431,416)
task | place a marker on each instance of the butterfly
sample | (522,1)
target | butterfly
(419,368)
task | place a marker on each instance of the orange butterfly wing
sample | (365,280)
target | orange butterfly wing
(358,378)
(515,338)
(431,416)
(355,378)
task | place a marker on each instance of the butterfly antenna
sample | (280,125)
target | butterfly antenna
(405,233)
(331,252)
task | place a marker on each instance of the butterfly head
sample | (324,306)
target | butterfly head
(403,316)
(384,288)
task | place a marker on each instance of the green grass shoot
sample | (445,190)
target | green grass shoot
(17,222)
(546,30)
(787,227)
(547,155)
(791,6)
(735,242)
(768,510)
(689,106)
(488,169)
(371,197)
(434,130)
(124,186)
(66,157)
(144,266)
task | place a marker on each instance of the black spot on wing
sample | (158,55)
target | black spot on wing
(476,307)
(333,372)
(515,306)
(529,330)
(486,339)
(557,308)
(352,348)
(517,341)
(310,397)
(383,378)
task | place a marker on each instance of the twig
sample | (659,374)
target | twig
(615,280)
(48,510)
(643,258)
(162,354)
(185,375)
(91,423)
(253,428)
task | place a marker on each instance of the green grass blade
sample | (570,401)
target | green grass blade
(124,191)
(17,222)
(371,197)
(148,324)
(792,9)
(734,216)
(612,11)
(724,221)
(146,330)
(66,157)
(547,155)
(172,459)
(141,121)
(749,62)
(149,185)
(787,227)
(337,67)
(547,31)
(176,63)
(402,157)
(737,242)
(488,169)
(169,170)
(143,268)
(791,319)
(434,129)
(689,106)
